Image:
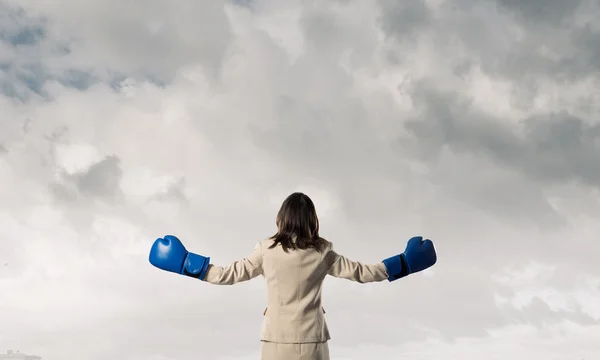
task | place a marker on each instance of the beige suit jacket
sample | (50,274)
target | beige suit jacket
(294,312)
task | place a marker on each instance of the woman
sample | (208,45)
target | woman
(294,263)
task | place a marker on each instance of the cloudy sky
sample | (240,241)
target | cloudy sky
(473,123)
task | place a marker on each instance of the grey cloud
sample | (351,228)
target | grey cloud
(500,167)
(24,72)
(101,180)
(451,314)
(329,35)
(181,334)
(505,193)
(487,30)
(197,33)
(27,81)
(36,48)
(336,142)
(457,304)
(404,19)
(22,82)
(313,121)
(78,79)
(249,4)
(82,196)
(539,313)
(63,192)
(19,29)
(574,61)
(174,192)
(555,147)
(561,146)
(322,30)
(21,35)
(547,11)
(562,284)
(54,136)
(302,131)
(552,25)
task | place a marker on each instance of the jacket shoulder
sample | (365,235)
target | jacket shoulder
(328,245)
(266,243)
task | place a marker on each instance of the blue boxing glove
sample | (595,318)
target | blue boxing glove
(169,254)
(419,255)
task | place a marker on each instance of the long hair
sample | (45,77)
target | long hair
(297,218)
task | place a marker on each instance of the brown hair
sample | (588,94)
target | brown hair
(297,217)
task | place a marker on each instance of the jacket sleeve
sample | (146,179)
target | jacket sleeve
(342,267)
(239,271)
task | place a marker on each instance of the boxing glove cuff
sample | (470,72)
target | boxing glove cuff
(195,266)
(396,267)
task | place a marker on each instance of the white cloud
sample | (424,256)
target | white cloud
(198,118)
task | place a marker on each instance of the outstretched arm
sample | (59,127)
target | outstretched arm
(239,271)
(169,254)
(419,255)
(342,267)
